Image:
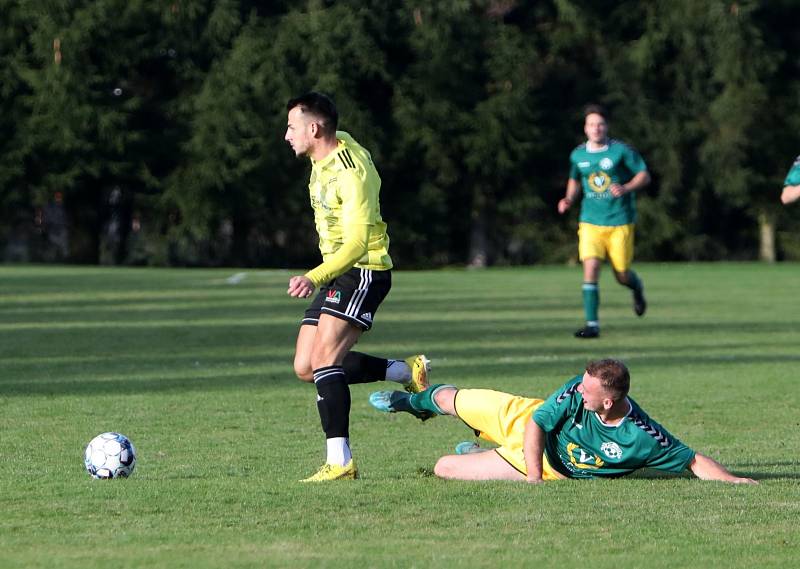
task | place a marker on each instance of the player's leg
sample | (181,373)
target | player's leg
(411,372)
(592,252)
(590,291)
(620,253)
(476,466)
(333,339)
(302,353)
(356,297)
(422,405)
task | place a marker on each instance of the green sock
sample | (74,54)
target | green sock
(634,282)
(591,303)
(423,401)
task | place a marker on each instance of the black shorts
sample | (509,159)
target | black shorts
(353,296)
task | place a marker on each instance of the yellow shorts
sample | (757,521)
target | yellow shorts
(501,417)
(595,241)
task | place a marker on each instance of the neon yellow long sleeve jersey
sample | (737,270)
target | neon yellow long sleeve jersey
(344,188)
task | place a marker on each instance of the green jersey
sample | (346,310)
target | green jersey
(793,177)
(579,444)
(614,163)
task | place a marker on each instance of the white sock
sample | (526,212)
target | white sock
(398,370)
(338,451)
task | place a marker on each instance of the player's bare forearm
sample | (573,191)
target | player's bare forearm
(639,181)
(790,194)
(532,449)
(706,468)
(573,189)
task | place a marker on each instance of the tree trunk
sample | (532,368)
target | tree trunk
(766,251)
(478,242)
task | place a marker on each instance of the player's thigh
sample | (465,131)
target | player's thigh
(497,416)
(356,295)
(477,466)
(591,242)
(620,247)
(302,352)
(333,339)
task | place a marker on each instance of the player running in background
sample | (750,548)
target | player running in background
(588,428)
(791,185)
(353,279)
(607,172)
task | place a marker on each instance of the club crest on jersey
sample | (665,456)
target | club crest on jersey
(580,459)
(611,450)
(606,163)
(599,181)
(334,296)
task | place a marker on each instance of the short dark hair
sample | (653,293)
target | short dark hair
(321,107)
(595,109)
(613,375)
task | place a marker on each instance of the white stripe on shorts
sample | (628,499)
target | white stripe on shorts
(354,306)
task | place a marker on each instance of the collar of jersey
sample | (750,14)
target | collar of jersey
(330,157)
(622,420)
(601,149)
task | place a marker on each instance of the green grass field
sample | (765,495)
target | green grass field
(197,372)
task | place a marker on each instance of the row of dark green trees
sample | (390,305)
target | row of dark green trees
(151,132)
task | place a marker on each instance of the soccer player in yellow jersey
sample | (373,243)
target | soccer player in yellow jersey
(352,281)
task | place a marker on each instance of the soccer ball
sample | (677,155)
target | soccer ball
(110,455)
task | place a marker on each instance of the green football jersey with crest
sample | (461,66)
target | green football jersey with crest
(793,177)
(616,162)
(579,444)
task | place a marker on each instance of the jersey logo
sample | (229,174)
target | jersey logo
(599,181)
(567,393)
(581,459)
(606,163)
(367,316)
(334,296)
(346,159)
(611,450)
(650,430)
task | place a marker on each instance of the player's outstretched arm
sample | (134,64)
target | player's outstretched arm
(706,468)
(532,449)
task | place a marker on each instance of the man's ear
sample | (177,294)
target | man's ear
(314,128)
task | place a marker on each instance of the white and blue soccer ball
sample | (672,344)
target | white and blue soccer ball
(110,455)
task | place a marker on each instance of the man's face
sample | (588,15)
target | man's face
(596,128)
(595,396)
(299,134)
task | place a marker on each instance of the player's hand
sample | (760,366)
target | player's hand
(563,205)
(738,480)
(618,190)
(300,287)
(534,480)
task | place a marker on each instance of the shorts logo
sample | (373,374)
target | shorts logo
(599,181)
(367,316)
(334,296)
(611,450)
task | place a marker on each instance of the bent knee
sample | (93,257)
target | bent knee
(444,467)
(304,373)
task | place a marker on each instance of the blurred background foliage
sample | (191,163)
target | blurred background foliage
(151,132)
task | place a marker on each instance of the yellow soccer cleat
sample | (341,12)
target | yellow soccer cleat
(330,472)
(420,366)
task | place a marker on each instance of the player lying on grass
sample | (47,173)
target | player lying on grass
(588,428)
